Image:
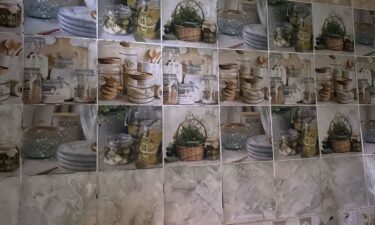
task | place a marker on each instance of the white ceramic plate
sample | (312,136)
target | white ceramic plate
(77,148)
(80,14)
(259,142)
(76,33)
(74,163)
(76,168)
(72,24)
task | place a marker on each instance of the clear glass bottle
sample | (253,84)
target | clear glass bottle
(170,89)
(209,89)
(36,59)
(85,89)
(118,20)
(193,78)
(148,18)
(110,81)
(63,70)
(32,86)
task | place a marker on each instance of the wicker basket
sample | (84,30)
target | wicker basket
(195,153)
(340,146)
(190,153)
(185,33)
(332,42)
(343,144)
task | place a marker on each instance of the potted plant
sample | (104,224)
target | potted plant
(339,134)
(189,140)
(187,20)
(333,33)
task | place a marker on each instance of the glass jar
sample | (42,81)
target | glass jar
(53,91)
(234,136)
(185,94)
(277,90)
(37,59)
(170,89)
(118,20)
(149,144)
(63,70)
(10,14)
(148,18)
(9,158)
(369,131)
(363,91)
(193,78)
(111,81)
(85,91)
(42,142)
(212,148)
(304,35)
(372,95)
(309,90)
(209,89)
(289,143)
(290,97)
(310,138)
(118,149)
(283,36)
(129,60)
(209,31)
(32,86)
(231,22)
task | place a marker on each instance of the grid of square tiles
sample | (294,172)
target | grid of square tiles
(211,192)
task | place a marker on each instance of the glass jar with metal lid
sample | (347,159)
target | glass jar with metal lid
(9,158)
(148,17)
(118,20)
(118,149)
(185,94)
(36,59)
(289,143)
(209,89)
(85,89)
(150,141)
(10,13)
(110,81)
(170,89)
(309,138)
(53,91)
(363,91)
(32,86)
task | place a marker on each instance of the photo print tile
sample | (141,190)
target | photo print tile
(290,26)
(295,132)
(333,29)
(59,139)
(292,79)
(246,134)
(73,18)
(129,21)
(242,24)
(129,73)
(189,23)
(339,131)
(130,137)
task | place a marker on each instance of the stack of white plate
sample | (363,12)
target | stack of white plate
(255,36)
(77,21)
(76,156)
(259,148)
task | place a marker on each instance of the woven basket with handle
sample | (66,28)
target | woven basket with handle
(195,153)
(186,33)
(341,145)
(332,42)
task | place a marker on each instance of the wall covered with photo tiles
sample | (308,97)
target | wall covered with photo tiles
(182,112)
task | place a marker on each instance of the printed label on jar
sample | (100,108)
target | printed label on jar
(129,61)
(185,98)
(4,90)
(140,93)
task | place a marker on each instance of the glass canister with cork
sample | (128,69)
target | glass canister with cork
(209,89)
(85,89)
(148,17)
